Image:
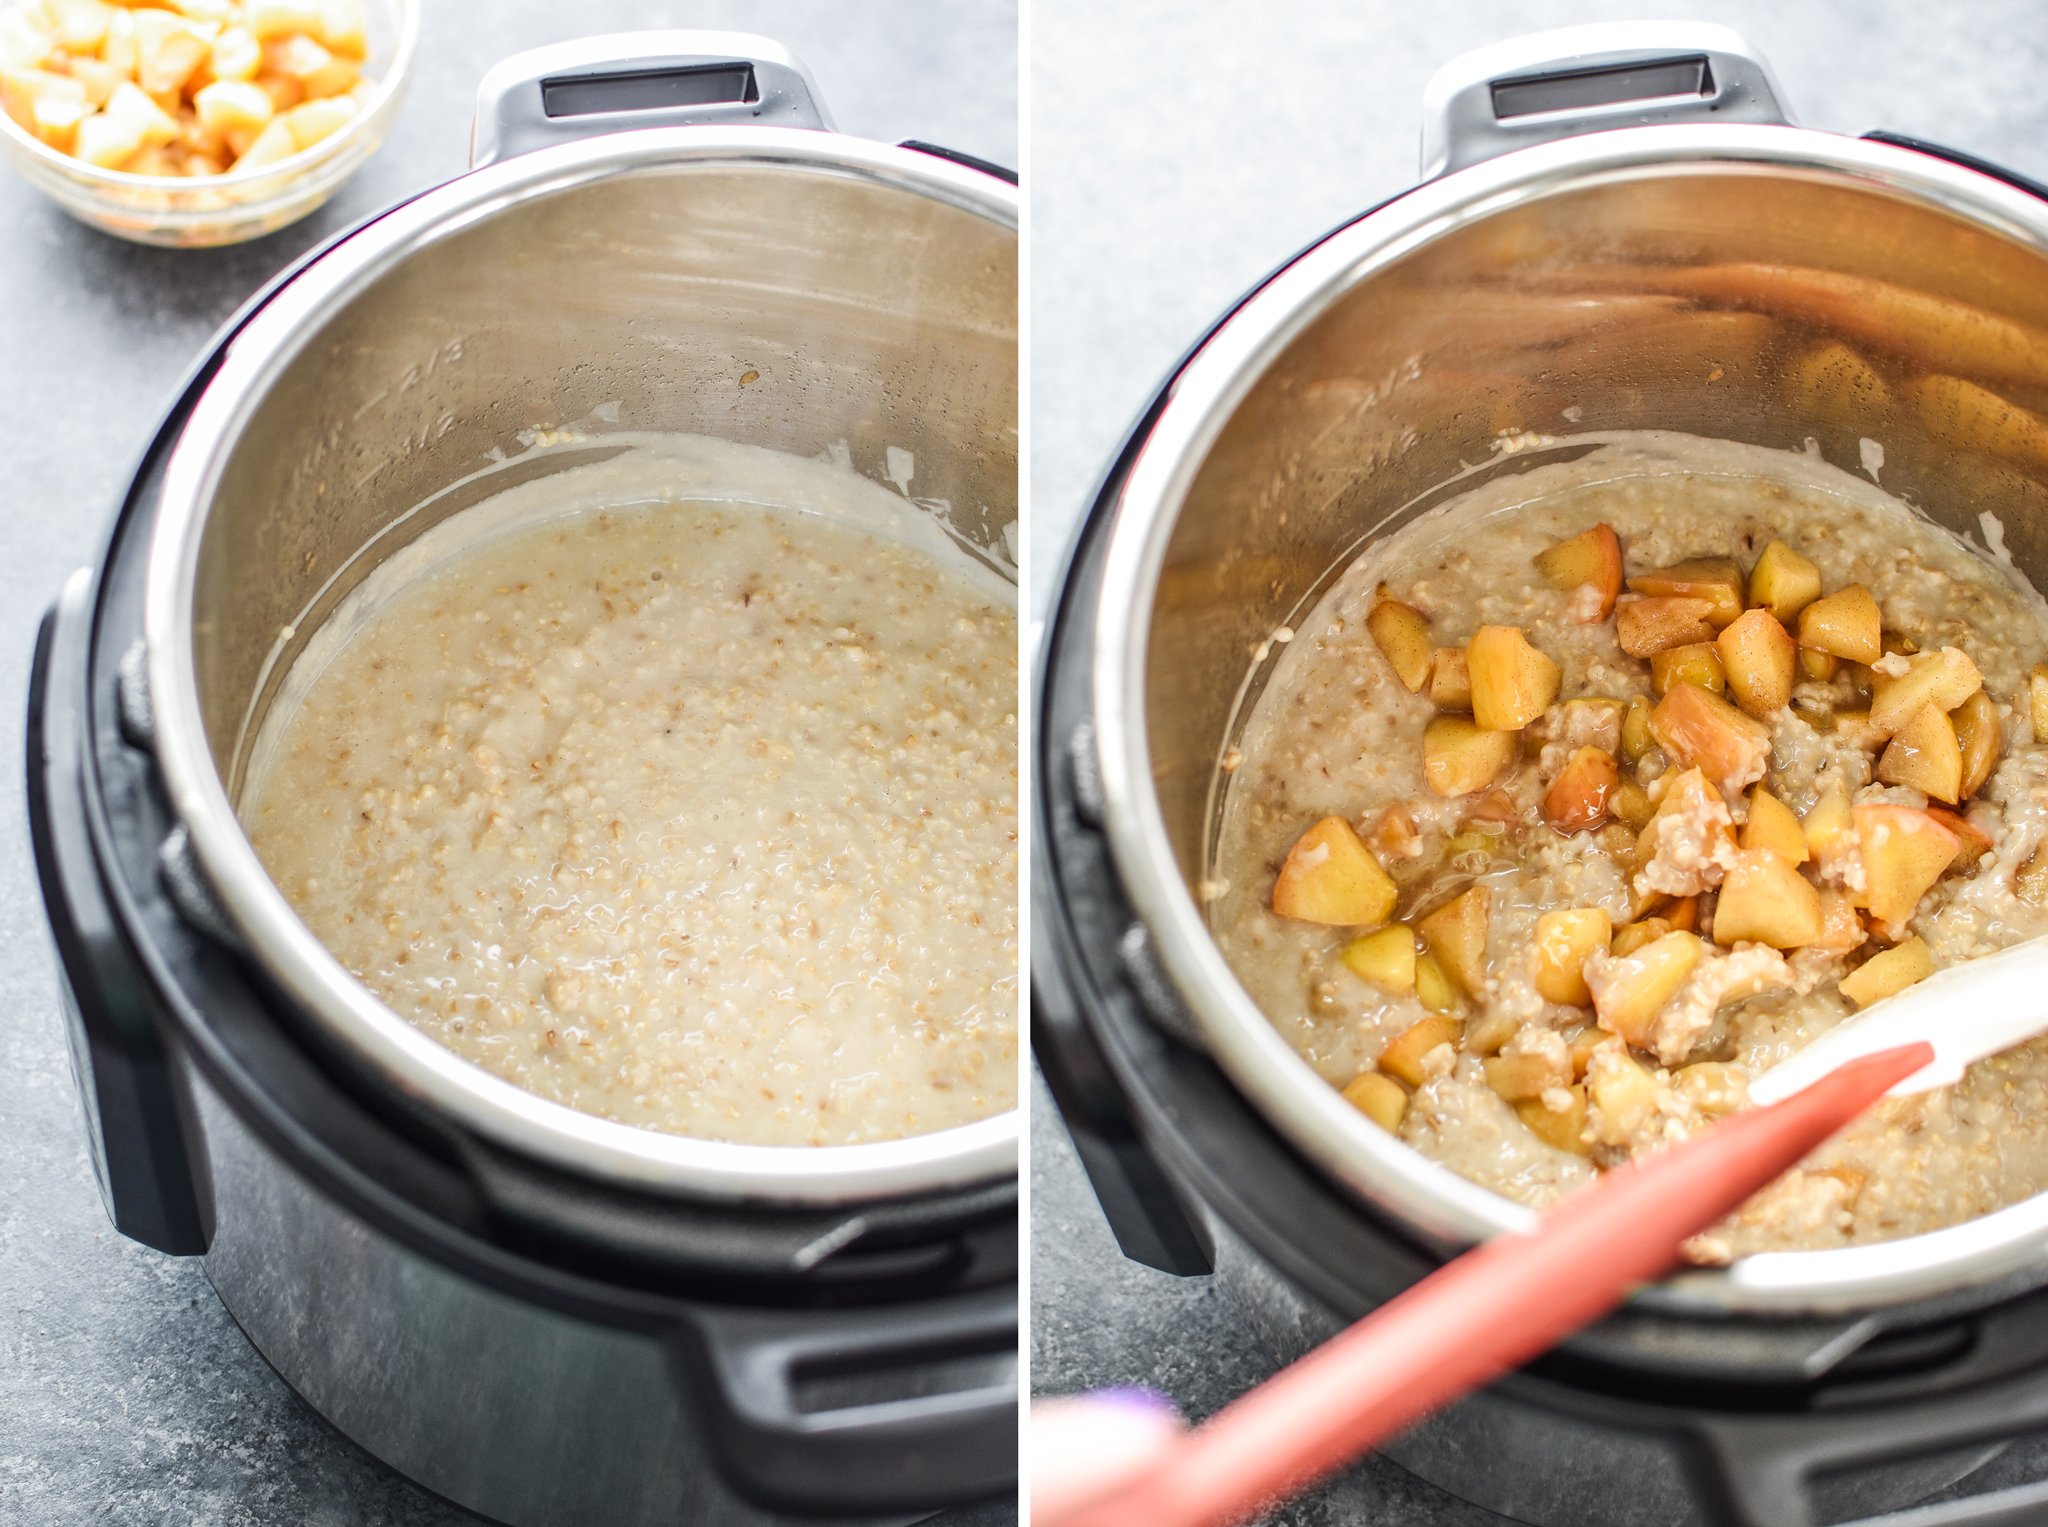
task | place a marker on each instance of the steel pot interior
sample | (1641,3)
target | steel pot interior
(1652,278)
(621,284)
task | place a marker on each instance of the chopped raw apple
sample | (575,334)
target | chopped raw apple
(1701,730)
(1561,1130)
(1592,558)
(228,106)
(1764,900)
(1981,737)
(1717,580)
(1435,990)
(1629,991)
(1924,756)
(168,48)
(1817,665)
(1783,582)
(1330,877)
(1846,623)
(1761,659)
(1380,1098)
(1519,1076)
(1456,934)
(1943,679)
(1563,940)
(1385,957)
(1460,756)
(1401,632)
(1578,798)
(1975,841)
(1450,680)
(1904,852)
(1512,682)
(2037,700)
(1694,663)
(1402,1058)
(1888,971)
(1773,827)
(1645,627)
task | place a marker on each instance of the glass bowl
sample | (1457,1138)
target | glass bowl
(202,211)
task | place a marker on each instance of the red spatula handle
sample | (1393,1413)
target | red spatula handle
(1490,1310)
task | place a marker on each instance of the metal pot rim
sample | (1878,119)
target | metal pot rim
(398,1053)
(1443,1206)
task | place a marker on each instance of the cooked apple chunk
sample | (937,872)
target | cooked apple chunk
(1846,623)
(1330,877)
(1456,935)
(1819,666)
(2037,700)
(1563,940)
(1385,957)
(1943,679)
(1772,826)
(1435,990)
(1630,804)
(1380,1098)
(1401,632)
(1646,627)
(1630,990)
(1635,730)
(1830,827)
(1522,1075)
(1402,1058)
(1764,900)
(1623,1090)
(1459,756)
(1761,660)
(1701,730)
(1841,926)
(1512,682)
(1717,580)
(1974,842)
(1981,736)
(1925,756)
(1578,798)
(1904,852)
(1450,680)
(1694,663)
(1888,972)
(1560,1129)
(1783,582)
(1591,559)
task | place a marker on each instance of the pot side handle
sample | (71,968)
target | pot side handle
(1588,79)
(627,80)
(861,1410)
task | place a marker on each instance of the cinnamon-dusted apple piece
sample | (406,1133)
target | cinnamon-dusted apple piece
(1783,582)
(1401,632)
(1563,1129)
(1765,900)
(1717,580)
(1629,991)
(2037,700)
(1589,560)
(1974,842)
(1925,756)
(1450,680)
(1761,661)
(1459,756)
(1330,877)
(1846,623)
(1701,730)
(1385,957)
(1888,972)
(1981,736)
(1512,682)
(1380,1098)
(1563,940)
(1773,826)
(1904,852)
(1646,627)
(1578,798)
(1456,934)
(1943,679)
(1402,1058)
(1694,663)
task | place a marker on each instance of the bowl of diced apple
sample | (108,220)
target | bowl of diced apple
(198,122)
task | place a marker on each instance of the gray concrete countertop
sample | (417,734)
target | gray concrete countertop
(126,1393)
(1179,150)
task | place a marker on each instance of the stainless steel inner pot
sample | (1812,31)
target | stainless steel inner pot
(634,279)
(1679,276)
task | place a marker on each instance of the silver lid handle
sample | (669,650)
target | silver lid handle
(629,80)
(1587,79)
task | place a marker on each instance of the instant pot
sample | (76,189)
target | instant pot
(542,1316)
(1620,229)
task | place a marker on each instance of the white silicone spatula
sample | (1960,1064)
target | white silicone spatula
(1966,1012)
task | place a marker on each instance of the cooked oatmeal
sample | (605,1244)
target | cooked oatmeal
(1541,866)
(698,816)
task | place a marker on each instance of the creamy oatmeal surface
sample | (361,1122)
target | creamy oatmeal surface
(1542,938)
(695,815)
